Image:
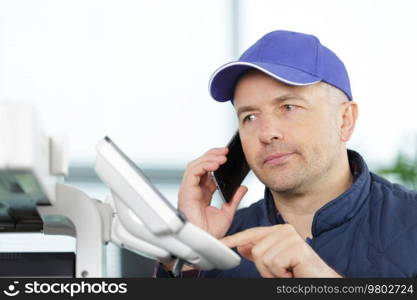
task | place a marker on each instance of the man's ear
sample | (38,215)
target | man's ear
(348,115)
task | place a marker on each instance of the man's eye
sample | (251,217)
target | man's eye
(289,107)
(249,118)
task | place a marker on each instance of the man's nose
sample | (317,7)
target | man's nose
(270,130)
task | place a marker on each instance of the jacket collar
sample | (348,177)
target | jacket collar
(339,210)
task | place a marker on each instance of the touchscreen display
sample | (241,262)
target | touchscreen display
(142,175)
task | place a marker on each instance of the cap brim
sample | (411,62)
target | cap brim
(222,82)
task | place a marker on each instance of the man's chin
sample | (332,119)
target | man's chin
(278,184)
(282,177)
(283,187)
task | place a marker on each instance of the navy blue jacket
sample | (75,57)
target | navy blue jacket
(368,231)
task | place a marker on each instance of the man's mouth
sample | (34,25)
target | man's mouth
(277,158)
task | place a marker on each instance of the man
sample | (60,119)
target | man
(323,213)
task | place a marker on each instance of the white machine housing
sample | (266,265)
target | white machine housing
(30,158)
(136,216)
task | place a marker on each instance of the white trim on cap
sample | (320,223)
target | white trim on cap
(240,63)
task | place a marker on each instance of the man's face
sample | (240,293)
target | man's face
(289,133)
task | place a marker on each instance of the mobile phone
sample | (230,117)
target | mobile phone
(230,175)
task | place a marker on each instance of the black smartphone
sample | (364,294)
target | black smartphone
(229,176)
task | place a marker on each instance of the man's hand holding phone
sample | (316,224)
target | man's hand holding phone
(197,190)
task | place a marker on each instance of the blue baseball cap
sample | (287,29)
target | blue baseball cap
(290,57)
